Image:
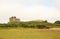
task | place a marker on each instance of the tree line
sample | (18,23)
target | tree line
(31,25)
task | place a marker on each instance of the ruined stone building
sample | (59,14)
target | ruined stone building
(13,19)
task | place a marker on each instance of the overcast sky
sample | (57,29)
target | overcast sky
(30,10)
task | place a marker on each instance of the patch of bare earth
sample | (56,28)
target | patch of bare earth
(54,29)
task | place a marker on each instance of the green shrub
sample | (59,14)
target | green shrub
(40,26)
(7,25)
(57,22)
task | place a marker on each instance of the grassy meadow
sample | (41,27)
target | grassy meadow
(28,33)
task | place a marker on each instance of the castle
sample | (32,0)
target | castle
(13,19)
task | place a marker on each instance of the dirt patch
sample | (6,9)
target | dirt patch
(54,29)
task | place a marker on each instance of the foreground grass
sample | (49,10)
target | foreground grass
(28,33)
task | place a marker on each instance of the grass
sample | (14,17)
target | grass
(28,33)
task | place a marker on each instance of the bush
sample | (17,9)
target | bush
(12,25)
(24,25)
(57,22)
(40,26)
(32,26)
(7,25)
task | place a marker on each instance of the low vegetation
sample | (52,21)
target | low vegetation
(32,24)
(15,22)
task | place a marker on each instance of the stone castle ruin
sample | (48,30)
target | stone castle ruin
(13,19)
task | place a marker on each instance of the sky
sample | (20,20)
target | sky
(27,10)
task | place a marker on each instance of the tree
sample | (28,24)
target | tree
(46,21)
(57,22)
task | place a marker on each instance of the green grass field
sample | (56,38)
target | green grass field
(28,33)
